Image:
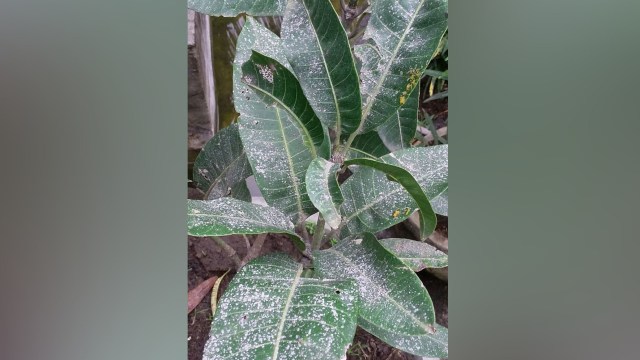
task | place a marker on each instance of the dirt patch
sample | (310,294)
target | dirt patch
(439,109)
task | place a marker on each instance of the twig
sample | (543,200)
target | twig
(393,352)
(230,251)
(246,242)
(255,248)
(428,136)
(302,229)
(317,236)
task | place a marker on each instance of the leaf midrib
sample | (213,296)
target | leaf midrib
(374,94)
(285,311)
(292,173)
(324,62)
(288,110)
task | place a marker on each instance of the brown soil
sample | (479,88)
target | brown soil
(439,109)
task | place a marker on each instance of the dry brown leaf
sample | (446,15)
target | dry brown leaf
(196,294)
(214,293)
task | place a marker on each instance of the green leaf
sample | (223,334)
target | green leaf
(269,311)
(367,145)
(279,158)
(394,134)
(318,50)
(371,199)
(406,35)
(392,296)
(440,95)
(427,216)
(441,203)
(324,190)
(240,191)
(227,216)
(429,345)
(253,37)
(277,85)
(397,131)
(436,74)
(235,7)
(221,164)
(415,254)
(277,145)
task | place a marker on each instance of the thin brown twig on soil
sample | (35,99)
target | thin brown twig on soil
(393,352)
(255,249)
(428,136)
(246,242)
(230,251)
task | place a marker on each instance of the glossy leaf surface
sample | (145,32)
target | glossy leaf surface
(318,50)
(367,145)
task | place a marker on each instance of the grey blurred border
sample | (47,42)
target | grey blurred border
(543,177)
(93,103)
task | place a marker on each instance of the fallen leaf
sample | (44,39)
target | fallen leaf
(214,293)
(196,294)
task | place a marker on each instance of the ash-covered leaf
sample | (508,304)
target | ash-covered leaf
(395,306)
(269,311)
(372,202)
(416,254)
(228,216)
(324,190)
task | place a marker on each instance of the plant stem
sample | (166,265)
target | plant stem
(302,229)
(307,272)
(350,140)
(255,249)
(232,253)
(317,236)
(246,241)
